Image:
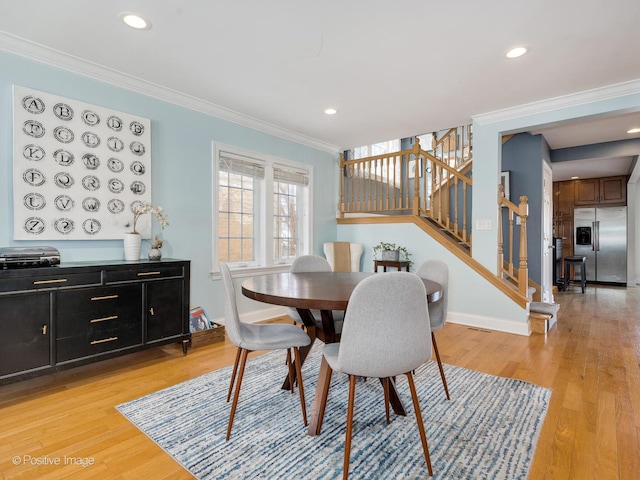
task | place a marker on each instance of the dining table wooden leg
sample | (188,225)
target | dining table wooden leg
(320,398)
(307,319)
(394,398)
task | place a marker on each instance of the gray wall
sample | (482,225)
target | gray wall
(522,156)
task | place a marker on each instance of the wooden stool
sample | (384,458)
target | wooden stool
(575,260)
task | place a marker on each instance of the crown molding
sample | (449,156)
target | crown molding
(572,100)
(55,58)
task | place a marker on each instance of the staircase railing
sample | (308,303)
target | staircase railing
(516,233)
(412,181)
(417,183)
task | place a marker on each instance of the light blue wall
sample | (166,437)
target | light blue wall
(181,171)
(472,299)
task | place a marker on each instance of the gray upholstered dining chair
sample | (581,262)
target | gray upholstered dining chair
(370,348)
(437,271)
(313,263)
(251,337)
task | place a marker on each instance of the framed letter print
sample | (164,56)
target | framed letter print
(77,168)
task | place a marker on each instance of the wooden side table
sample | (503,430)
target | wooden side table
(391,263)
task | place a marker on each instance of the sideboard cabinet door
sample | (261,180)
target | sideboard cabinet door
(165,317)
(25,341)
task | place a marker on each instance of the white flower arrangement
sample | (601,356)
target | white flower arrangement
(142,208)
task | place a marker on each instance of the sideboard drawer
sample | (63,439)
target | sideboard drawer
(89,309)
(96,339)
(148,272)
(49,281)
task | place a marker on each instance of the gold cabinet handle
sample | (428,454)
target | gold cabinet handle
(104,319)
(104,340)
(43,282)
(145,274)
(44,329)
(106,297)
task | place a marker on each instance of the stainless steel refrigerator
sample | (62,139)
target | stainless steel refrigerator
(601,236)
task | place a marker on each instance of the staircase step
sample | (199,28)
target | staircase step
(540,322)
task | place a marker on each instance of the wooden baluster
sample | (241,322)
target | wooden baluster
(500,239)
(415,205)
(523,269)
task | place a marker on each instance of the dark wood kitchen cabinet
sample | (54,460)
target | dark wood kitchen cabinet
(75,313)
(601,191)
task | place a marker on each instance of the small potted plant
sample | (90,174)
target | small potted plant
(132,239)
(154,251)
(392,252)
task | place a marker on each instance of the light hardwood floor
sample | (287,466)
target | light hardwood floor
(590,359)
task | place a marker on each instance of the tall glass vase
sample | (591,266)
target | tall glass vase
(132,244)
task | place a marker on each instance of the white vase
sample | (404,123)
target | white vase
(132,243)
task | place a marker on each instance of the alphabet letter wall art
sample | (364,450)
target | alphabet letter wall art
(78,169)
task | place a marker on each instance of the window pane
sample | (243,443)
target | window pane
(247,201)
(223,225)
(235,225)
(235,180)
(247,226)
(235,200)
(223,199)
(247,250)
(235,250)
(223,250)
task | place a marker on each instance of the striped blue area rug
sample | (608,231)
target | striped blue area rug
(488,430)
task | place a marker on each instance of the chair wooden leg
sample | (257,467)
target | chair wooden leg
(385,388)
(233,374)
(444,380)
(347,439)
(243,361)
(423,435)
(290,367)
(303,405)
(325,394)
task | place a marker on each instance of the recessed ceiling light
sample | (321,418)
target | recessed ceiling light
(331,111)
(575,178)
(516,52)
(135,21)
(634,130)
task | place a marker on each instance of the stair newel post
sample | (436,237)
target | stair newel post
(415,206)
(500,240)
(523,271)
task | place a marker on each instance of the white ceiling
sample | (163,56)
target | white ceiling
(392,69)
(597,130)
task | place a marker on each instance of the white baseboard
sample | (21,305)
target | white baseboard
(258,315)
(489,323)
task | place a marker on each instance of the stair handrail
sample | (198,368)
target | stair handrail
(443,177)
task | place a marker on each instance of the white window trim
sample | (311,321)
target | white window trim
(266,215)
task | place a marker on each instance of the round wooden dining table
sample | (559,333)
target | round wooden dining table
(324,291)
